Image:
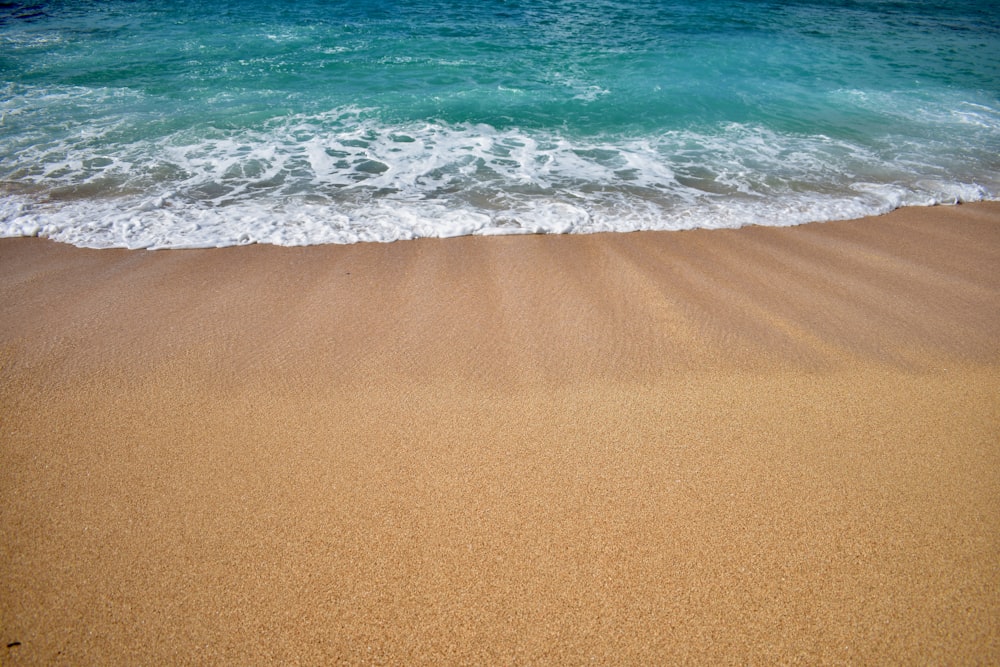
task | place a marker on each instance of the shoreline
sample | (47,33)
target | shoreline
(312,226)
(767,444)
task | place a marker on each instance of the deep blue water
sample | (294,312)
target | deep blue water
(130,123)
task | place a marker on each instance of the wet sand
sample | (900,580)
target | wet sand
(765,445)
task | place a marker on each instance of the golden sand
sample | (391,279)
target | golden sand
(765,445)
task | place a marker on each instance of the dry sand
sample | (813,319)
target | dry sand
(757,446)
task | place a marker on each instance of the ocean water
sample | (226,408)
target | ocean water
(178,123)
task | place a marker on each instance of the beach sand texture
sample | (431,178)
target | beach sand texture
(761,446)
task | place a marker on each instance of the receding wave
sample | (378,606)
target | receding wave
(347,175)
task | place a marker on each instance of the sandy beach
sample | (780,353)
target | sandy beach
(755,446)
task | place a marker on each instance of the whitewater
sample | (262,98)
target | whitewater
(164,125)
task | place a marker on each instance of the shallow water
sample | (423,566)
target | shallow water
(160,125)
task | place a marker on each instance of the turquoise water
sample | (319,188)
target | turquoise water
(171,124)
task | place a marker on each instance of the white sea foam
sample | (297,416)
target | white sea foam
(345,177)
(139,223)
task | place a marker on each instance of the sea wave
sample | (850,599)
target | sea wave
(348,175)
